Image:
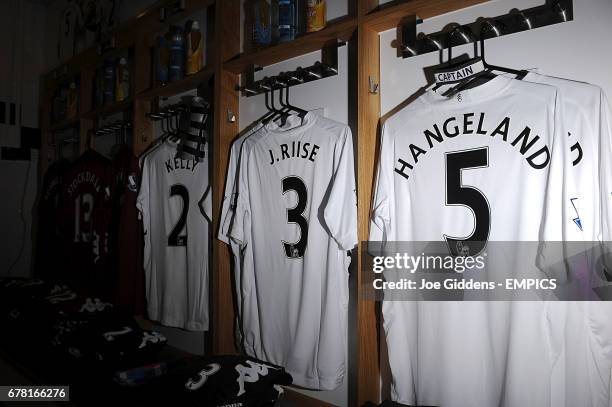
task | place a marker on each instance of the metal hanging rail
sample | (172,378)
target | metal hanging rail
(188,141)
(112,128)
(411,43)
(176,109)
(328,66)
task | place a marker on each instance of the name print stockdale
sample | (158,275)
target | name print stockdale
(296,149)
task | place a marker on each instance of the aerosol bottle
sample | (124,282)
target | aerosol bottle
(122,87)
(195,49)
(287,20)
(177,53)
(263,23)
(109,81)
(161,60)
(316,15)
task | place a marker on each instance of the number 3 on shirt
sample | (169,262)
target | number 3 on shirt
(175,239)
(296,215)
(458,194)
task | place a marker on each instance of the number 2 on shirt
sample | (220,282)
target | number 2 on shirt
(175,238)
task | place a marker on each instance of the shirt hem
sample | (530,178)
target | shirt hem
(173,323)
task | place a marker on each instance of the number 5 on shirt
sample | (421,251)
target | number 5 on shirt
(458,194)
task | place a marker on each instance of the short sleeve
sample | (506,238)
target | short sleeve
(229,196)
(237,229)
(554,219)
(109,191)
(604,251)
(143,205)
(605,169)
(206,204)
(553,226)
(380,217)
(340,211)
(142,201)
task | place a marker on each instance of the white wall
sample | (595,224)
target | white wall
(17,182)
(21,30)
(578,50)
(125,10)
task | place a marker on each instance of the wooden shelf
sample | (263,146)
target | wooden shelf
(149,23)
(153,10)
(173,88)
(389,16)
(66,124)
(341,29)
(105,111)
(383,18)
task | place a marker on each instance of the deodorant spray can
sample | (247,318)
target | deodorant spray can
(177,53)
(316,18)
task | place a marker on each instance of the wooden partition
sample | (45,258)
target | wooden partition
(226,128)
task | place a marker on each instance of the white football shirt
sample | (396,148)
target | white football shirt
(582,375)
(296,214)
(588,162)
(228,206)
(175,203)
(478,167)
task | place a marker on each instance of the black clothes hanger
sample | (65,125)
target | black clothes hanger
(494,28)
(300,112)
(118,130)
(264,119)
(172,121)
(285,111)
(269,92)
(198,110)
(466,35)
(281,114)
(271,113)
(166,134)
(281,83)
(485,75)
